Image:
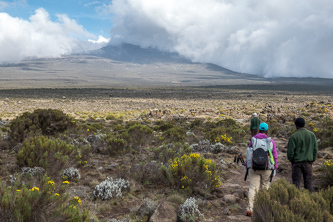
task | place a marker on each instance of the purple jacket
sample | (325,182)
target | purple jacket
(274,151)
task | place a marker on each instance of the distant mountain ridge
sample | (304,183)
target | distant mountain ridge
(135,54)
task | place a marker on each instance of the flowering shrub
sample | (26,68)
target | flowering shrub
(164,153)
(325,132)
(110,188)
(194,170)
(71,173)
(27,202)
(224,139)
(189,211)
(328,171)
(226,126)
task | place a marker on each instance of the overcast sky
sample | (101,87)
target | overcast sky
(268,38)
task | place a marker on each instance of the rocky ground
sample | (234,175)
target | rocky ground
(228,202)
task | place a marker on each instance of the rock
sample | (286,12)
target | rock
(227,211)
(112,167)
(96,142)
(165,212)
(324,155)
(3,123)
(229,198)
(6,100)
(147,208)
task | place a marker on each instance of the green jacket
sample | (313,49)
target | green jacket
(302,146)
(255,122)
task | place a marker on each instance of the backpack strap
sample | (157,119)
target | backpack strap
(254,141)
(270,144)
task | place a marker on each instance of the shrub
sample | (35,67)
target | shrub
(194,171)
(224,139)
(170,151)
(226,126)
(116,145)
(71,173)
(52,155)
(328,171)
(196,123)
(149,173)
(163,126)
(140,135)
(43,200)
(284,202)
(33,171)
(189,211)
(43,121)
(325,132)
(110,188)
(175,134)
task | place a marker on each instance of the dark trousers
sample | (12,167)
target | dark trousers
(304,169)
(254,132)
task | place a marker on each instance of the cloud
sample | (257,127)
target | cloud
(41,37)
(91,3)
(3,5)
(101,39)
(269,38)
(15,3)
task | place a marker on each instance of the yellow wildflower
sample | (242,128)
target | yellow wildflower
(35,188)
(50,182)
(65,182)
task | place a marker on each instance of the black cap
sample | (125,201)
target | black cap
(300,122)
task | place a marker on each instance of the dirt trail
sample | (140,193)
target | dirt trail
(236,181)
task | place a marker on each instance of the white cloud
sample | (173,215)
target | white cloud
(6,4)
(100,40)
(3,5)
(270,38)
(40,37)
(91,3)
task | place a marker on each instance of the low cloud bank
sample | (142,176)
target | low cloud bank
(41,37)
(268,38)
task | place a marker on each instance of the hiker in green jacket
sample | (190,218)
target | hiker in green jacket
(254,127)
(302,152)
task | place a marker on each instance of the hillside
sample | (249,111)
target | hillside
(195,113)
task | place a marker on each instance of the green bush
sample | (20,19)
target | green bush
(163,126)
(116,146)
(226,126)
(328,172)
(140,135)
(51,154)
(325,132)
(41,121)
(193,171)
(43,201)
(170,151)
(284,202)
(175,134)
